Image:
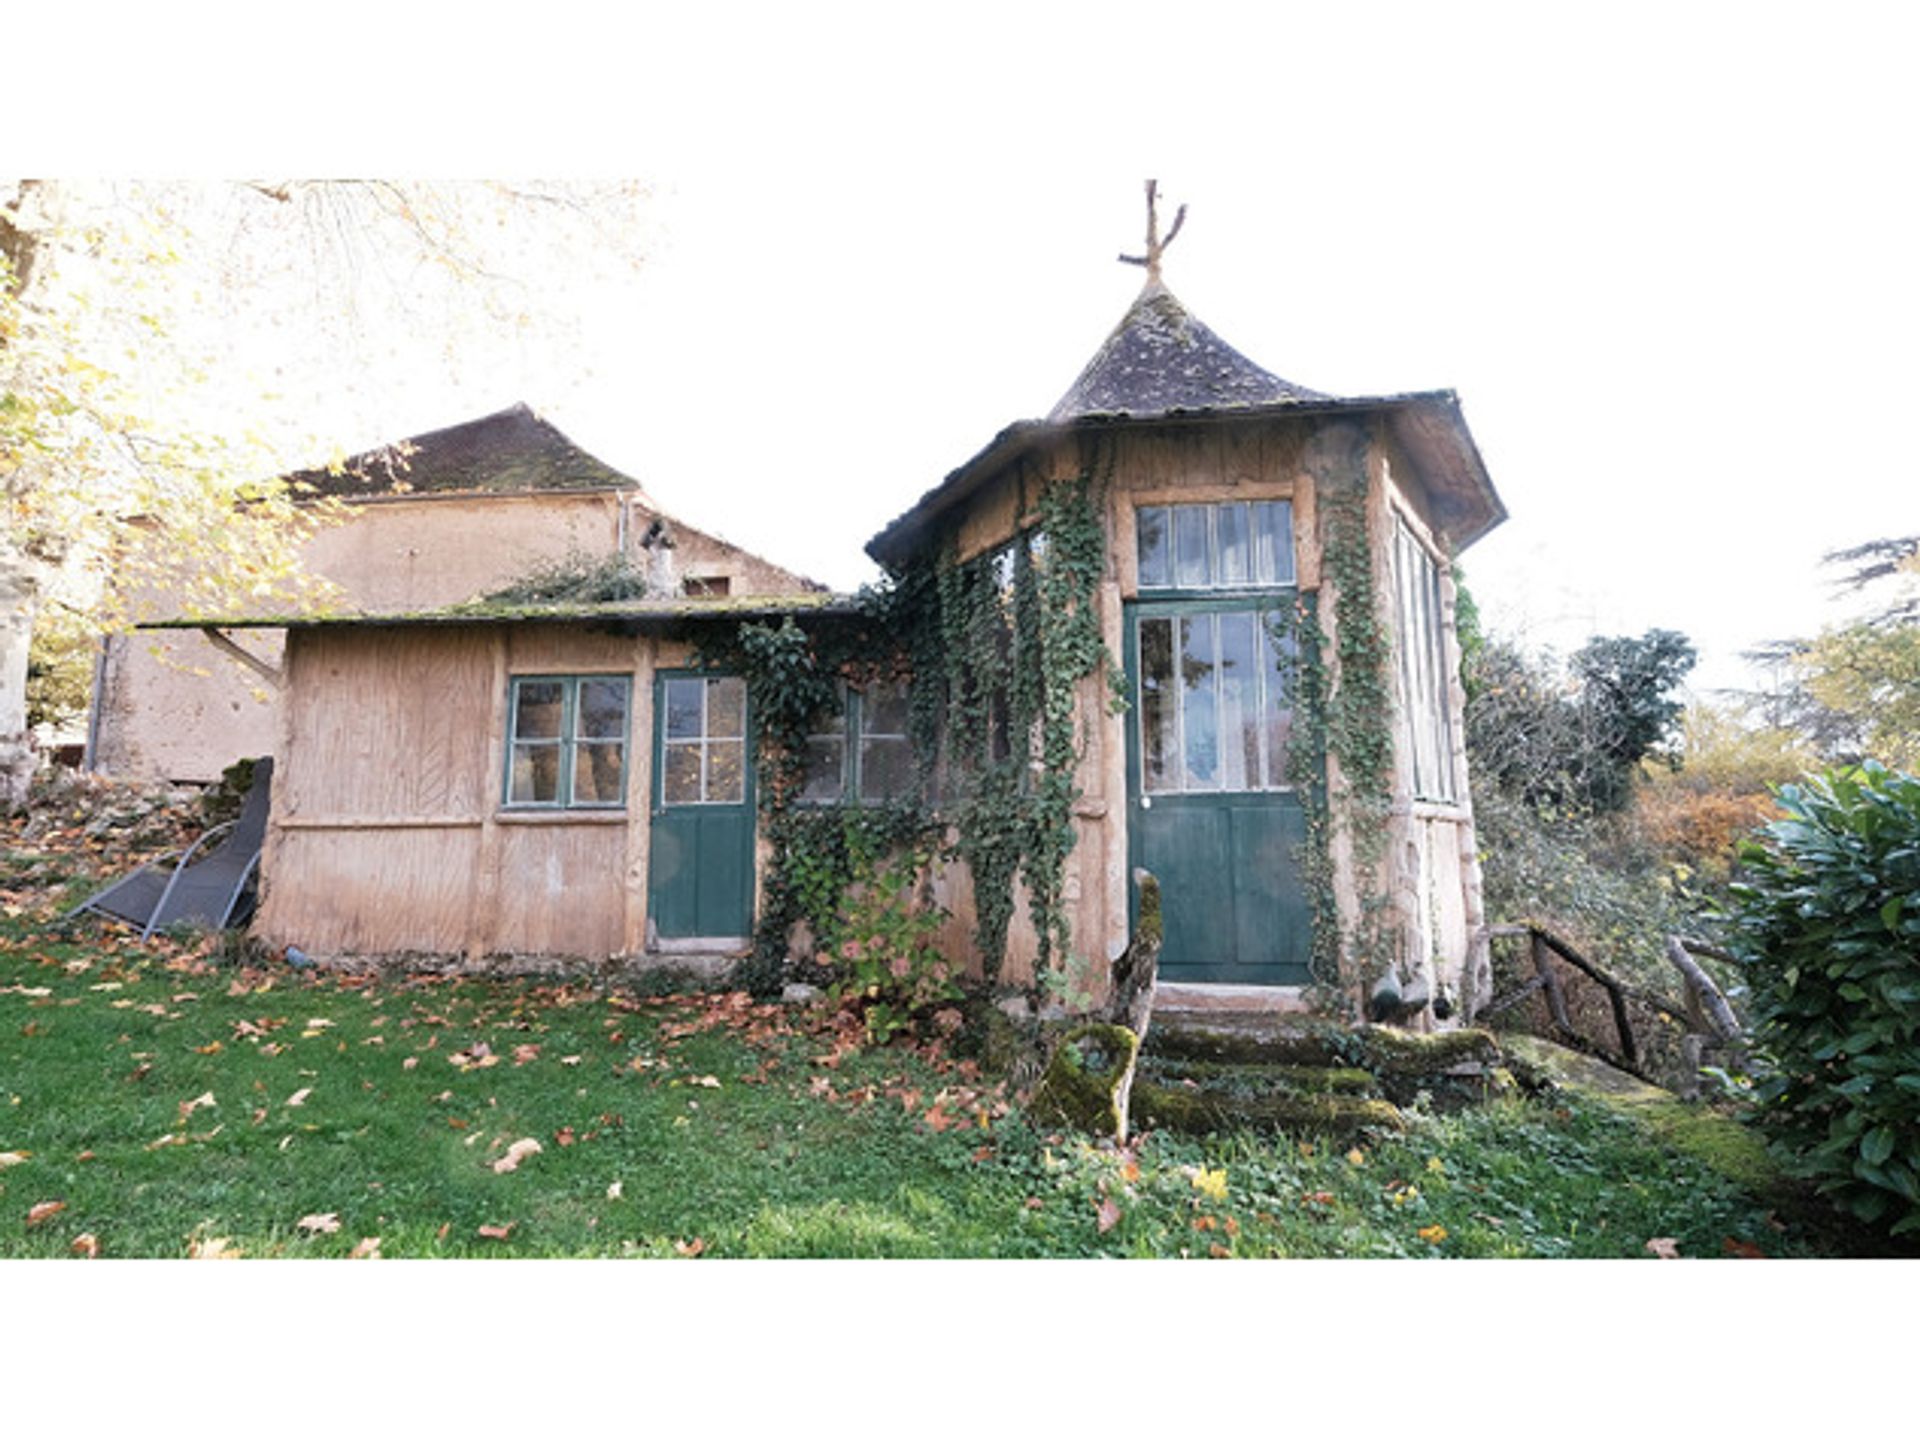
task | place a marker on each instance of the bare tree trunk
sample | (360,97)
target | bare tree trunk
(19,574)
(19,595)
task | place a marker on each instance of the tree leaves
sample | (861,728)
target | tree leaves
(43,1211)
(319,1223)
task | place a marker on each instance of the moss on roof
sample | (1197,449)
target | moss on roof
(495,611)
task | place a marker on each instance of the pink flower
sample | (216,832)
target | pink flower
(901,967)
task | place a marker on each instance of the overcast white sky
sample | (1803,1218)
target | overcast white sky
(1665,254)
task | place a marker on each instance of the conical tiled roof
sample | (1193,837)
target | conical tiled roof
(1160,359)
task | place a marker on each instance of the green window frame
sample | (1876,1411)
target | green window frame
(862,754)
(1232,544)
(568,741)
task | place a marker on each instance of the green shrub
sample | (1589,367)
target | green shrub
(887,960)
(1827,926)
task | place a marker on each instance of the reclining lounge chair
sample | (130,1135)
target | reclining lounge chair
(204,890)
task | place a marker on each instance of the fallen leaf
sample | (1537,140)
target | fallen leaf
(1212,1182)
(410,1062)
(690,1250)
(1108,1216)
(1356,1157)
(366,1248)
(299,1098)
(206,1100)
(570,1060)
(320,1223)
(212,1248)
(983,1153)
(319,1023)
(705,1081)
(440,1236)
(1434,1233)
(564,1137)
(86,1155)
(1663,1247)
(1215,1250)
(212,1048)
(498,1231)
(1320,1196)
(1739,1248)
(18,1155)
(1034,1203)
(1130,1171)
(525,1054)
(520,1148)
(1206,1223)
(615,1189)
(41,1212)
(87,1245)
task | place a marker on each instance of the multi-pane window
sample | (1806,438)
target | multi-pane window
(1237,544)
(567,741)
(861,752)
(704,740)
(1216,712)
(1423,678)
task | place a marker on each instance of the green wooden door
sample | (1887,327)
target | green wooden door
(700,868)
(1210,813)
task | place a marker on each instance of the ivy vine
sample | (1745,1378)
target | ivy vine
(1001,641)
(1355,722)
(793,679)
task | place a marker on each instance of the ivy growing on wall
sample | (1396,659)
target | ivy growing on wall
(995,648)
(1356,710)
(793,678)
(1000,642)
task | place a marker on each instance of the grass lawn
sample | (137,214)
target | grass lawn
(154,1103)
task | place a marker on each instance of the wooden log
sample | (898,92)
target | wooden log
(1130,987)
(1719,1014)
(1538,946)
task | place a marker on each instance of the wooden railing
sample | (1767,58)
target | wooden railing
(1706,1016)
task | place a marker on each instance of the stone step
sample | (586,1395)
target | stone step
(1259,1078)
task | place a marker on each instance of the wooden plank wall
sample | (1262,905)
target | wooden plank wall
(386,836)
(1192,463)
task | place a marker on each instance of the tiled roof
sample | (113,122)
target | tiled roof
(512,450)
(1160,359)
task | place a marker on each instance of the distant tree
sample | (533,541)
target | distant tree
(1573,740)
(1626,694)
(1854,690)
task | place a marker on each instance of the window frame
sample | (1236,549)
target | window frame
(849,728)
(664,741)
(1264,608)
(567,743)
(1286,570)
(1422,675)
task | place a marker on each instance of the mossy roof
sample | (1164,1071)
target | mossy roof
(1162,365)
(1160,360)
(642,612)
(512,451)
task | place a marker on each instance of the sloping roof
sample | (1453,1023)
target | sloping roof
(1162,365)
(513,450)
(1160,359)
(641,612)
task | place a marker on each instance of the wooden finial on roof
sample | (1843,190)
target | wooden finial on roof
(1156,246)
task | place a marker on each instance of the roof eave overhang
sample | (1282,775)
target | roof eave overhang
(645,614)
(1428,425)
